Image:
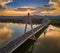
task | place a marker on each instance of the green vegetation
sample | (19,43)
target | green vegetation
(22,20)
(35,20)
(55,22)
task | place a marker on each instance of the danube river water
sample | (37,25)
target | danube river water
(49,42)
(10,31)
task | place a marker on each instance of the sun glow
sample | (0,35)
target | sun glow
(23,10)
(7,12)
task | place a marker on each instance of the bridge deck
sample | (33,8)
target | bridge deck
(21,39)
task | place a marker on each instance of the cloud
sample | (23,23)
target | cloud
(52,8)
(25,9)
(17,11)
(3,2)
(56,4)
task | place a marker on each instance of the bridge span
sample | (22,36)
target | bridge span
(13,44)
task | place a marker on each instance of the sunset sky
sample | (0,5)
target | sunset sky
(22,7)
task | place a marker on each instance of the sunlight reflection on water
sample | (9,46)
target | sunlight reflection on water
(50,42)
(10,31)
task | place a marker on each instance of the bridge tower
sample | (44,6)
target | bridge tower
(28,20)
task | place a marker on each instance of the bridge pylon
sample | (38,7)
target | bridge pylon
(28,20)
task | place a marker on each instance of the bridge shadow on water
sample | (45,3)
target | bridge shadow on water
(45,45)
(28,46)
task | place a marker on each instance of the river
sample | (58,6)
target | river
(10,31)
(46,43)
(49,42)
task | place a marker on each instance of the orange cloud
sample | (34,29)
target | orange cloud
(22,11)
(3,2)
(11,13)
(16,12)
(44,10)
(56,4)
